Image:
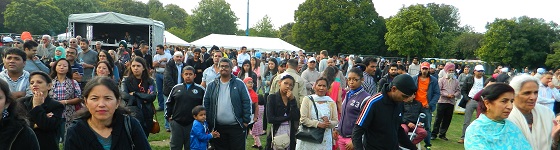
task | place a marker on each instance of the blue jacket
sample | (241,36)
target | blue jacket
(433,91)
(199,136)
(239,99)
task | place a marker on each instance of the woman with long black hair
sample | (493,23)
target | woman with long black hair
(139,93)
(15,132)
(268,76)
(247,71)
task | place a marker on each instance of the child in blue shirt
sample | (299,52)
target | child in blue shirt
(199,132)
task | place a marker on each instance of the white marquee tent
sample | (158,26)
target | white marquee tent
(171,39)
(262,44)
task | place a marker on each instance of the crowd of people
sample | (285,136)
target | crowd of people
(86,97)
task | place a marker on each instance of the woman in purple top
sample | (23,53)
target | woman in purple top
(350,107)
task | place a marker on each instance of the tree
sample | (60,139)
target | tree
(154,6)
(163,16)
(338,26)
(211,16)
(412,32)
(466,44)
(519,41)
(68,7)
(129,7)
(37,17)
(180,32)
(447,18)
(553,59)
(177,14)
(3,5)
(263,28)
(285,32)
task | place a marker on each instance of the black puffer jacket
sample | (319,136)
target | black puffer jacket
(411,111)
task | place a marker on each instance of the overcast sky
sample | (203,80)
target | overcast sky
(475,13)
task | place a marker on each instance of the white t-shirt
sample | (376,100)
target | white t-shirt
(159,57)
(477,86)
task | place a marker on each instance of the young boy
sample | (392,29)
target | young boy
(199,132)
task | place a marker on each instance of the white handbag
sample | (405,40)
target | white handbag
(280,141)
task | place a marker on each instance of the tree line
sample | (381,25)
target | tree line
(340,26)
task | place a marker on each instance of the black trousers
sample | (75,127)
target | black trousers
(232,137)
(265,123)
(443,119)
(180,136)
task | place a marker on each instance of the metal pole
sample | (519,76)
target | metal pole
(247,29)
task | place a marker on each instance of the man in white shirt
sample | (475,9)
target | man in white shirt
(243,56)
(472,85)
(547,93)
(414,68)
(159,63)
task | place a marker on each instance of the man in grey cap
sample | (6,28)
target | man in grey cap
(380,119)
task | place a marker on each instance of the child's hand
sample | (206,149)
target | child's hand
(215,134)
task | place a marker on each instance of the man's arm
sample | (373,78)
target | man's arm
(357,134)
(41,66)
(168,79)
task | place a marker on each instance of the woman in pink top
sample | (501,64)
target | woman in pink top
(335,91)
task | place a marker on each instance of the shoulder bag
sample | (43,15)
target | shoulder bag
(311,134)
(280,141)
(127,127)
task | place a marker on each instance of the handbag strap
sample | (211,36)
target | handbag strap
(315,106)
(127,129)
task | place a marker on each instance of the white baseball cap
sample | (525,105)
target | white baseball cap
(312,59)
(478,67)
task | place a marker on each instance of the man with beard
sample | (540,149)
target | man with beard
(449,89)
(88,59)
(393,68)
(228,108)
(212,72)
(198,64)
(428,94)
(159,63)
(414,68)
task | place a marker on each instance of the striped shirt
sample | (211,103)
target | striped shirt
(369,85)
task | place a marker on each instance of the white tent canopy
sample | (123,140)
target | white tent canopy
(110,18)
(64,36)
(262,44)
(171,39)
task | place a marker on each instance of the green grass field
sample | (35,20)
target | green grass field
(160,141)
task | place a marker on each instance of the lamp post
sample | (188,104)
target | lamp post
(247,29)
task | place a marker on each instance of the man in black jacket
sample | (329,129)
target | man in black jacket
(172,73)
(473,85)
(183,98)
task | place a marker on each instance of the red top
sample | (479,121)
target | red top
(254,96)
